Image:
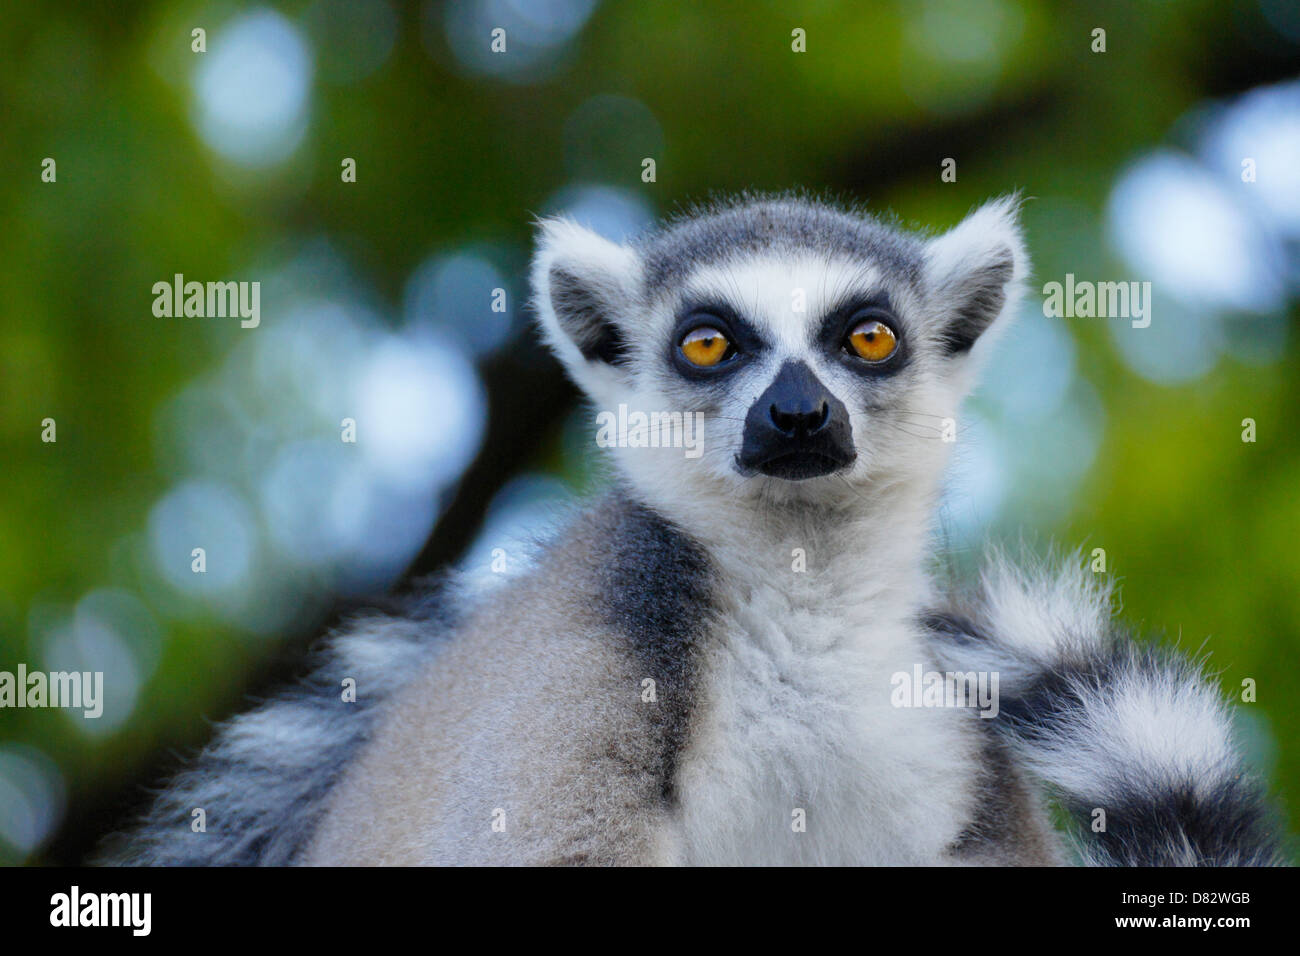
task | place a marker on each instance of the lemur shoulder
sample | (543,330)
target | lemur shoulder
(662,686)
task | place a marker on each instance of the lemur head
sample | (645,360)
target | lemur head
(826,351)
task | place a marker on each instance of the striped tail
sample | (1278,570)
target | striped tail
(1134,741)
(263,780)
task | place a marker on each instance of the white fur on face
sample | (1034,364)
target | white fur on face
(897,419)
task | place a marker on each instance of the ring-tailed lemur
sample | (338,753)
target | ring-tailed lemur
(703,667)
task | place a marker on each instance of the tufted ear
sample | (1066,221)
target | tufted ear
(585,290)
(975,270)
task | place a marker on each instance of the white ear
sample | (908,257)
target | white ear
(585,290)
(975,272)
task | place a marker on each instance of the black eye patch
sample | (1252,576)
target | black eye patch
(833,331)
(744,338)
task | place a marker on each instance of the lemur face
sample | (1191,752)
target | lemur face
(821,350)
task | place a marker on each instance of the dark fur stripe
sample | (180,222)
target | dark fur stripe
(1003,802)
(659,587)
(1230,826)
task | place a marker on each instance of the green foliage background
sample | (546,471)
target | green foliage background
(1201,528)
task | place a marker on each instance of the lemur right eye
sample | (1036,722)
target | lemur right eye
(872,340)
(705,347)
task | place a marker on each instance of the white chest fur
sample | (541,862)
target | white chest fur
(796,754)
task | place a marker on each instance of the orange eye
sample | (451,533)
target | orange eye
(873,340)
(705,346)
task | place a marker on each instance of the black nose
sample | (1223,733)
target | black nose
(797,429)
(801,417)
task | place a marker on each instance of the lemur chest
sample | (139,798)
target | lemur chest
(796,754)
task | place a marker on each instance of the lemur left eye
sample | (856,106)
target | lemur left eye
(705,347)
(872,340)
